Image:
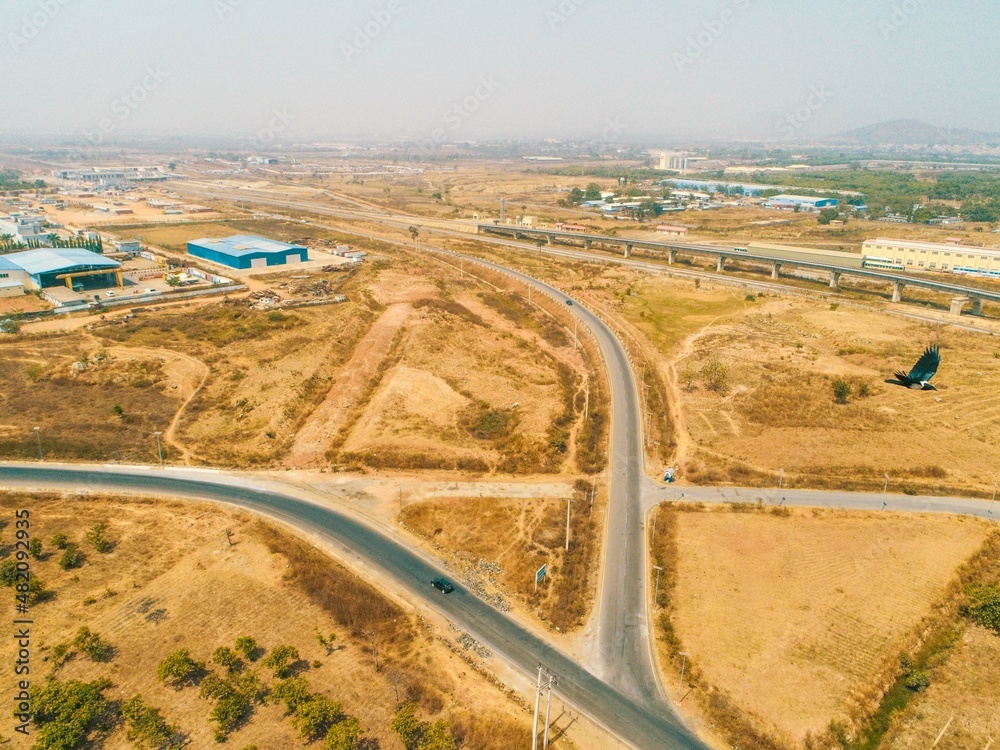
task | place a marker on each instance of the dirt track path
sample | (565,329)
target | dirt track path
(349,386)
(187,373)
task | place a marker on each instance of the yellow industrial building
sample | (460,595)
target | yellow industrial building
(935,256)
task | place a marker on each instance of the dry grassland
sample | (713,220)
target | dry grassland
(173,581)
(497,545)
(777,408)
(798,616)
(89,403)
(961,703)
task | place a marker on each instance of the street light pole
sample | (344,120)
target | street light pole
(568,499)
(159,448)
(656,589)
(680,690)
(38,434)
(781,475)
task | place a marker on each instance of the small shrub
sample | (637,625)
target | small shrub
(314,717)
(95,535)
(93,645)
(226,657)
(864,390)
(984,606)
(72,557)
(67,713)
(841,391)
(35,547)
(716,375)
(147,730)
(343,735)
(59,541)
(292,692)
(918,681)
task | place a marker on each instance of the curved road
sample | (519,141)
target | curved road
(637,724)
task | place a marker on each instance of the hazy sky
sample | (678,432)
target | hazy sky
(621,70)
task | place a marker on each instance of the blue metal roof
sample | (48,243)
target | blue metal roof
(244,244)
(6,265)
(56,259)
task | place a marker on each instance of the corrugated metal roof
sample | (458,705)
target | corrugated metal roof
(52,259)
(6,265)
(244,244)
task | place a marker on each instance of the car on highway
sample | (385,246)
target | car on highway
(443,585)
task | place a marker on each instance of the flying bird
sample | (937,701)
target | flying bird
(918,379)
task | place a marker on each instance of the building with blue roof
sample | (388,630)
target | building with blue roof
(244,251)
(56,266)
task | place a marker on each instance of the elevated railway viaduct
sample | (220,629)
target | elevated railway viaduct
(852,265)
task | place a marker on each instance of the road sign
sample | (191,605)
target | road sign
(540,574)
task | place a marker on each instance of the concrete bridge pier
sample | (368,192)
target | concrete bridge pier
(671,257)
(977,305)
(834,280)
(897,291)
(549,239)
(721,265)
(628,250)
(586,244)
(958,304)
(775,270)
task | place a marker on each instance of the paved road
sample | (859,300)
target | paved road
(641,726)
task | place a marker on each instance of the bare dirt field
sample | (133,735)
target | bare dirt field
(797,615)
(174,579)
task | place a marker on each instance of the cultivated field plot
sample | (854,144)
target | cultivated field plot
(498,544)
(798,615)
(182,576)
(758,396)
(89,400)
(961,701)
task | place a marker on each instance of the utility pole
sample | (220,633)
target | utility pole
(568,499)
(781,475)
(38,434)
(550,681)
(159,448)
(994,499)
(680,690)
(575,343)
(400,503)
(586,400)
(656,590)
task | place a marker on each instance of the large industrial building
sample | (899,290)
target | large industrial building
(803,202)
(935,256)
(46,267)
(23,230)
(247,251)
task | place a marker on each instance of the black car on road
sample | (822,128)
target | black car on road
(443,585)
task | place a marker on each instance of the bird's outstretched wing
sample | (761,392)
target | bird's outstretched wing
(926,366)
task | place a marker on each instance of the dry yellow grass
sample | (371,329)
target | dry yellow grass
(779,411)
(173,581)
(796,616)
(961,701)
(519,536)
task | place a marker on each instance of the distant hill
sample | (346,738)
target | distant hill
(915,133)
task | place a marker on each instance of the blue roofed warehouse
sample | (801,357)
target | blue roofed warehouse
(247,251)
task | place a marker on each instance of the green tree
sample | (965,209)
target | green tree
(716,375)
(280,660)
(59,541)
(841,391)
(248,647)
(95,535)
(984,606)
(314,717)
(66,713)
(574,197)
(827,215)
(293,692)
(343,735)
(438,737)
(593,192)
(35,547)
(72,557)
(409,728)
(147,729)
(226,657)
(179,669)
